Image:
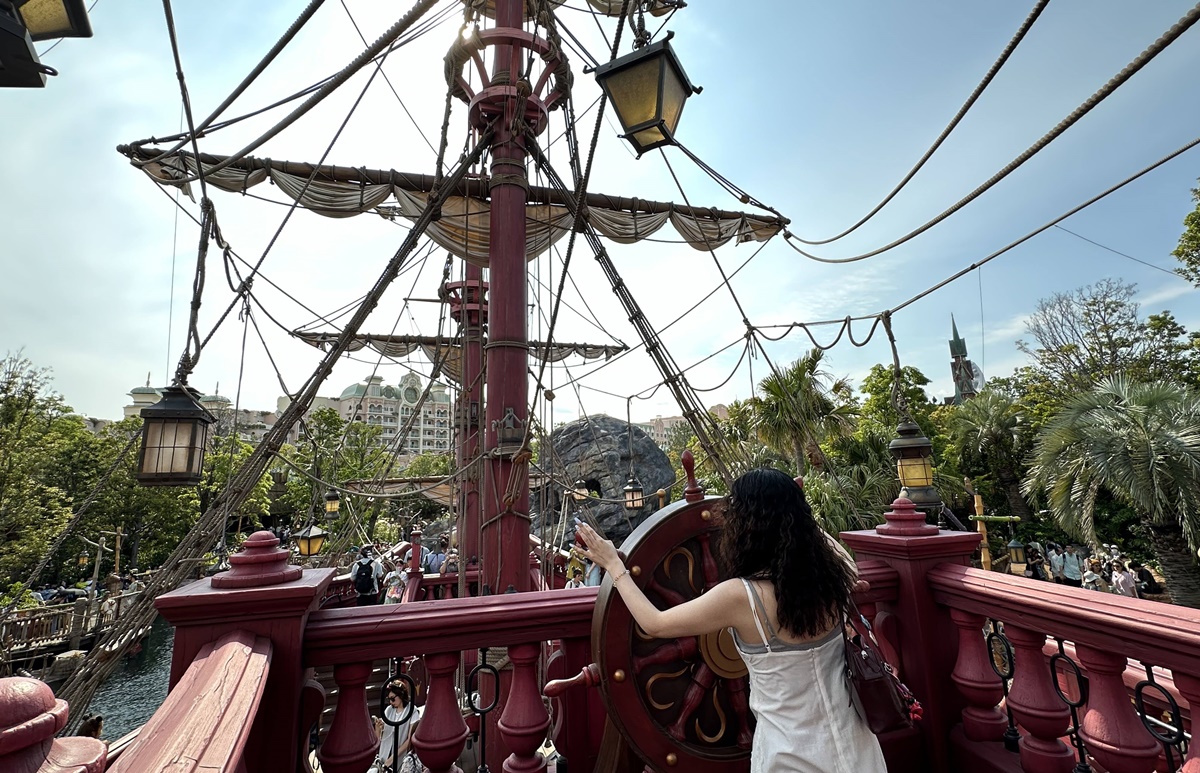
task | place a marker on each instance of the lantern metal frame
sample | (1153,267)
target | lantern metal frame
(333,502)
(635,495)
(669,65)
(178,407)
(913,453)
(580,491)
(1016,554)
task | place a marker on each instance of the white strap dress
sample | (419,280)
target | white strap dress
(801,701)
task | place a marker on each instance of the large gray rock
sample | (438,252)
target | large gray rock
(596,449)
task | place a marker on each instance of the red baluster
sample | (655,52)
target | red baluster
(524,721)
(1036,706)
(1111,729)
(740,702)
(702,682)
(442,733)
(976,680)
(1189,687)
(351,744)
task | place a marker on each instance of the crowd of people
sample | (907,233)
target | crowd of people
(1105,569)
(378,574)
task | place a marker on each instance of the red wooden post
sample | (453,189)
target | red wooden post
(524,721)
(442,734)
(263,595)
(1036,706)
(30,715)
(1110,727)
(976,680)
(351,744)
(469,307)
(1189,687)
(912,548)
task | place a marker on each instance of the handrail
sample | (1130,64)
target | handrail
(362,634)
(1162,634)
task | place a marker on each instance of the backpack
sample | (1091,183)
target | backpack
(364,578)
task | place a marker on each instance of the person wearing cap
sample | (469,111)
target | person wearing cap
(1093,579)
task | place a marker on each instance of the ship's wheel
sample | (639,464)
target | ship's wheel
(682,704)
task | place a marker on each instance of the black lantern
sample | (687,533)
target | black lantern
(1016,555)
(634,495)
(174,437)
(914,466)
(50,19)
(83,558)
(580,492)
(332,503)
(647,89)
(310,541)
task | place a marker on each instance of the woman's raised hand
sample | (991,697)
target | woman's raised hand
(598,550)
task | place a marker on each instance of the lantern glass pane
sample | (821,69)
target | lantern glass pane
(674,95)
(915,471)
(633,92)
(650,138)
(47,19)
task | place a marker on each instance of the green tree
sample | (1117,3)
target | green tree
(1188,251)
(992,438)
(1140,443)
(878,413)
(799,407)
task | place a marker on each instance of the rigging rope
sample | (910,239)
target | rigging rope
(81,686)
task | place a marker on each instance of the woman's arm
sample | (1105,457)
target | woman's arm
(716,609)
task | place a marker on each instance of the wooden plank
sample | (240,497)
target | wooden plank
(203,725)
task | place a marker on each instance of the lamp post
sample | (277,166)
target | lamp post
(647,89)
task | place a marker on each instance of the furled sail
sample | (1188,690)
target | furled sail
(465,220)
(449,352)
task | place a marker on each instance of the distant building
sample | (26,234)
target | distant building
(660,428)
(968,378)
(251,425)
(390,407)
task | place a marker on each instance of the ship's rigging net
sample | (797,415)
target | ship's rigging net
(465,220)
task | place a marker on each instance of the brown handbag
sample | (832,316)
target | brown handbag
(878,696)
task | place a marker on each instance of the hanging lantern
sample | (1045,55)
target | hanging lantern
(83,558)
(332,503)
(1016,555)
(647,89)
(49,19)
(634,495)
(580,492)
(174,438)
(310,541)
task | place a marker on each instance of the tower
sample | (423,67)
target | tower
(967,377)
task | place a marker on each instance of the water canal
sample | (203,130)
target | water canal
(138,687)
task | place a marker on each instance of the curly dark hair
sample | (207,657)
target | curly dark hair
(770,534)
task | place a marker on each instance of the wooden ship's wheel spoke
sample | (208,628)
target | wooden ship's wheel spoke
(681,704)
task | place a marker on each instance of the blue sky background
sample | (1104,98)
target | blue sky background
(818,109)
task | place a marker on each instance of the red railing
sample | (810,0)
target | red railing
(350,641)
(1114,641)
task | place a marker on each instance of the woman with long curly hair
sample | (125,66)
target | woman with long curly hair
(789,587)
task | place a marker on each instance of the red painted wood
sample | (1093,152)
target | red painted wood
(1161,634)
(205,722)
(1110,727)
(202,614)
(30,715)
(1036,706)
(442,733)
(976,680)
(397,630)
(259,563)
(351,744)
(524,721)
(930,637)
(1189,685)
(905,520)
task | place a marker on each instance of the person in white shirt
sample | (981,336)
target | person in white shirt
(1072,567)
(576,580)
(395,736)
(1122,581)
(1056,563)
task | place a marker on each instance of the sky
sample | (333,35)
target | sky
(817,109)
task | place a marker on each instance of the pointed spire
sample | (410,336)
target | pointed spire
(958,347)
(147,378)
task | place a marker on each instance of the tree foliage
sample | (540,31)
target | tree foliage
(1188,250)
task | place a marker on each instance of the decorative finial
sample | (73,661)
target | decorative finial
(147,378)
(694,492)
(905,520)
(259,563)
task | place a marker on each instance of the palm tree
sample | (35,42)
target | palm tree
(990,435)
(796,409)
(1141,443)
